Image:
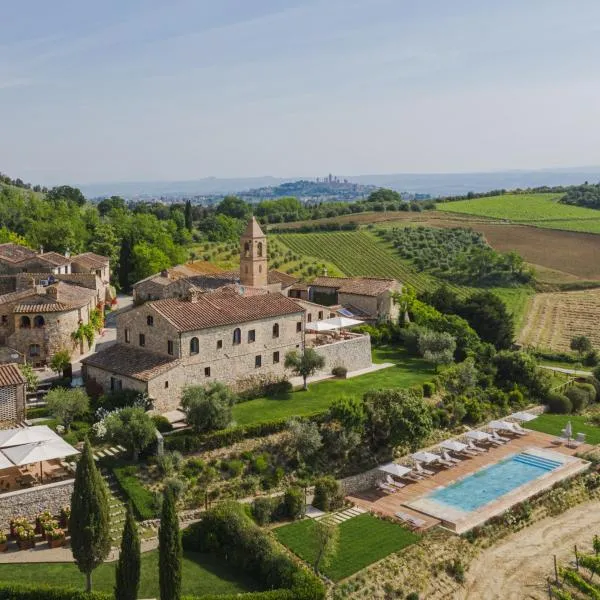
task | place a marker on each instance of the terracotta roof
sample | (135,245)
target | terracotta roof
(361,286)
(253,229)
(40,304)
(225,307)
(14,253)
(274,276)
(89,260)
(54,258)
(10,375)
(300,285)
(59,297)
(130,361)
(14,296)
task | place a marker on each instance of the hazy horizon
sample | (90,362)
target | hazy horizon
(181,91)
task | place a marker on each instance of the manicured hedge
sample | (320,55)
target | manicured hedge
(40,412)
(271,595)
(228,532)
(143,501)
(42,592)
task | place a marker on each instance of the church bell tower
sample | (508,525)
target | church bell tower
(253,256)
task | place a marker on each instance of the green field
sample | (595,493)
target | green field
(542,210)
(363,541)
(202,574)
(554,424)
(406,372)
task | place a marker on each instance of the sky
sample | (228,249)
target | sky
(150,90)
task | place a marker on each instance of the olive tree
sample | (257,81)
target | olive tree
(304,365)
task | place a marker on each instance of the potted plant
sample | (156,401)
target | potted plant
(40,520)
(65,515)
(15,523)
(50,526)
(55,537)
(25,537)
(3,542)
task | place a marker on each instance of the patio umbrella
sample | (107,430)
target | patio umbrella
(4,462)
(395,469)
(425,457)
(523,416)
(26,435)
(453,445)
(478,436)
(341,322)
(320,326)
(27,454)
(569,430)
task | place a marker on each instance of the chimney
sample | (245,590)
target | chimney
(41,249)
(164,273)
(68,253)
(193,295)
(325,272)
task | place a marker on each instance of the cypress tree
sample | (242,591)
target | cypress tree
(169,550)
(128,568)
(89,523)
(188,215)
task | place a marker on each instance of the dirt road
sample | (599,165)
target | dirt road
(516,568)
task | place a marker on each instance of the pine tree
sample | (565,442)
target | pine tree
(128,568)
(89,523)
(169,550)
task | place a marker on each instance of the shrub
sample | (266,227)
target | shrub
(515,398)
(38,413)
(260,463)
(262,509)
(412,596)
(10,591)
(456,570)
(142,500)
(328,494)
(591,359)
(559,403)
(339,371)
(234,467)
(293,503)
(589,389)
(579,398)
(162,423)
(428,389)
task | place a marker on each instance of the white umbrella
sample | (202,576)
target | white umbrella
(395,469)
(39,451)
(319,326)
(569,430)
(523,416)
(478,436)
(453,445)
(341,322)
(27,435)
(425,457)
(4,462)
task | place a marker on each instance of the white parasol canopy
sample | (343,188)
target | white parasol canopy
(425,457)
(39,451)
(4,462)
(27,435)
(478,436)
(395,469)
(523,416)
(569,430)
(341,322)
(453,445)
(319,326)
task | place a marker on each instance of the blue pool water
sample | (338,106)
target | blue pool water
(490,483)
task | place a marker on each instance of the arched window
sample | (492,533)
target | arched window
(237,336)
(194,346)
(25,322)
(259,249)
(276,330)
(38,321)
(247,249)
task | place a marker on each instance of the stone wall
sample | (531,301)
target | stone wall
(28,503)
(354,354)
(361,482)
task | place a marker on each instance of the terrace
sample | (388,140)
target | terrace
(407,499)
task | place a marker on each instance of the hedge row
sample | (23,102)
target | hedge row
(143,501)
(42,592)
(228,532)
(186,441)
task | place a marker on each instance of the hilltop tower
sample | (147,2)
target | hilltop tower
(253,256)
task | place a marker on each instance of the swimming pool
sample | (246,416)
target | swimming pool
(488,484)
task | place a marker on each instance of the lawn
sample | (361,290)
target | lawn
(363,541)
(536,209)
(554,424)
(202,574)
(407,371)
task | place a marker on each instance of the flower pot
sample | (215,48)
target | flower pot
(56,543)
(25,544)
(3,546)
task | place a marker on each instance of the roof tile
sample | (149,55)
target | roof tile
(10,374)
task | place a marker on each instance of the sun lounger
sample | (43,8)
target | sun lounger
(561,439)
(478,449)
(452,459)
(395,484)
(498,438)
(444,463)
(414,522)
(413,477)
(519,430)
(580,437)
(422,471)
(384,487)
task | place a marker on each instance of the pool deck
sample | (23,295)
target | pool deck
(410,498)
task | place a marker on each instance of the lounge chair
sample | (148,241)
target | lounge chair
(471,446)
(412,477)
(422,471)
(384,487)
(445,463)
(413,522)
(395,484)
(446,456)
(519,430)
(498,438)
(580,437)
(561,439)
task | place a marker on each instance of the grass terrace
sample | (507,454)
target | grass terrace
(202,574)
(407,371)
(554,424)
(363,540)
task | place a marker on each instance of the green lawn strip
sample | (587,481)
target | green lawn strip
(516,300)
(554,424)
(202,574)
(406,372)
(363,541)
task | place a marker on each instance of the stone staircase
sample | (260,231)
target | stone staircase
(341,516)
(116,502)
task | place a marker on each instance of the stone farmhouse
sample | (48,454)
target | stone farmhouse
(12,395)
(234,328)
(43,299)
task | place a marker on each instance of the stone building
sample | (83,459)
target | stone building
(12,395)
